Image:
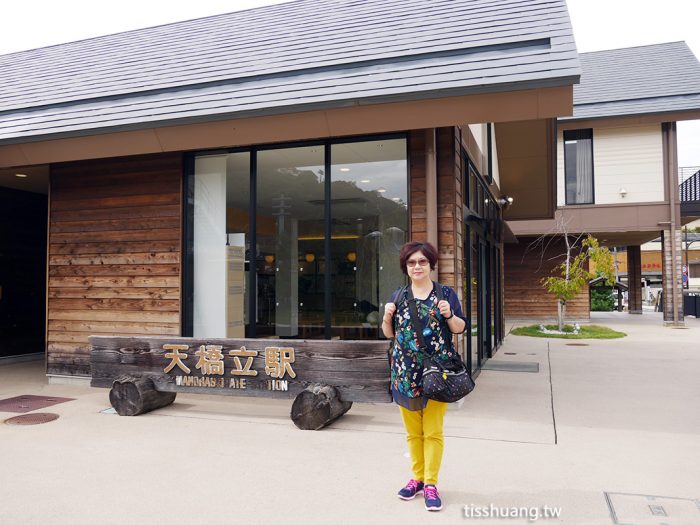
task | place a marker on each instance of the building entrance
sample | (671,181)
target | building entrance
(23,224)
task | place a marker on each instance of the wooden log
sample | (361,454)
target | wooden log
(131,396)
(317,407)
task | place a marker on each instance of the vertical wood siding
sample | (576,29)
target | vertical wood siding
(114,254)
(449,186)
(417,198)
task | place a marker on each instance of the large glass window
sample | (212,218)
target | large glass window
(319,252)
(369,205)
(290,236)
(578,166)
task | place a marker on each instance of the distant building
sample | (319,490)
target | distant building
(617,176)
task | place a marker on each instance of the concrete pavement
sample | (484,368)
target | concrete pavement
(618,417)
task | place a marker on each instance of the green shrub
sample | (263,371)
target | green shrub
(602,299)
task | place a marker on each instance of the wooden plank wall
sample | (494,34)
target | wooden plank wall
(449,205)
(525,266)
(416,184)
(114,254)
(449,190)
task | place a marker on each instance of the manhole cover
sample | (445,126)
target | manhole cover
(577,344)
(32,419)
(510,353)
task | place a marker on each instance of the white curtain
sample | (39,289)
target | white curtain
(584,171)
(210,247)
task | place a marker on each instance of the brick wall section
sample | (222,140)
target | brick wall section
(525,297)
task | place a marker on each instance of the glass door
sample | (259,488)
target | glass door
(483,303)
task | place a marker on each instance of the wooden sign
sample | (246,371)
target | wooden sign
(358,370)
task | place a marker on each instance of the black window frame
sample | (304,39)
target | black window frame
(578,133)
(187,248)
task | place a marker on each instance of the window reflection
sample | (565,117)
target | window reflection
(290,235)
(368,223)
(369,207)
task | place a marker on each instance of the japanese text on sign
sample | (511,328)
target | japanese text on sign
(210,362)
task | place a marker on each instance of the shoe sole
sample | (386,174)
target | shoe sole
(433,508)
(412,497)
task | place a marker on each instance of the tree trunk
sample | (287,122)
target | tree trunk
(318,406)
(561,314)
(131,396)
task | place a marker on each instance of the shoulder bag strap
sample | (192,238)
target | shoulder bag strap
(415,319)
(438,292)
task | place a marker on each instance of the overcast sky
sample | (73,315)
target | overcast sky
(598,24)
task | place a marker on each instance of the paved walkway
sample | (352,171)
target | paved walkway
(619,417)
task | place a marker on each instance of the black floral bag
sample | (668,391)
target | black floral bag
(447,381)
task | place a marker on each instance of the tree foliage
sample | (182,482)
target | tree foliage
(602,299)
(573,273)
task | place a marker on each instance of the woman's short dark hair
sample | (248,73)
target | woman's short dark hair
(412,247)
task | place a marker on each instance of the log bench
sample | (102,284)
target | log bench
(324,377)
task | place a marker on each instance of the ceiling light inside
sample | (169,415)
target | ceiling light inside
(21,175)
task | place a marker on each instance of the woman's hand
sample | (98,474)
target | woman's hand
(445,309)
(454,323)
(389,310)
(387,328)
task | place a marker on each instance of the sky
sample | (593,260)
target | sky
(598,24)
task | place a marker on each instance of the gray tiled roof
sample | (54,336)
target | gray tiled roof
(282,58)
(637,80)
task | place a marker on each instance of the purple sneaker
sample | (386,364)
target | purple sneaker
(432,498)
(411,489)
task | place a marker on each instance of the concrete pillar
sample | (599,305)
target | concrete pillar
(672,284)
(634,278)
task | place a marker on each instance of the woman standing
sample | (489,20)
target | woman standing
(437,320)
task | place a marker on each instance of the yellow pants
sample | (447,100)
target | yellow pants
(425,441)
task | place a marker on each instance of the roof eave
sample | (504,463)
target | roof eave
(552,82)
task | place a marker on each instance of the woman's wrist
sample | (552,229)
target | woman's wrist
(452,314)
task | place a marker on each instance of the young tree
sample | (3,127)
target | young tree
(573,272)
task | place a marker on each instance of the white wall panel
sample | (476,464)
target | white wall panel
(629,158)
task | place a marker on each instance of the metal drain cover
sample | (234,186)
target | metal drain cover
(27,403)
(577,344)
(32,419)
(644,509)
(512,366)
